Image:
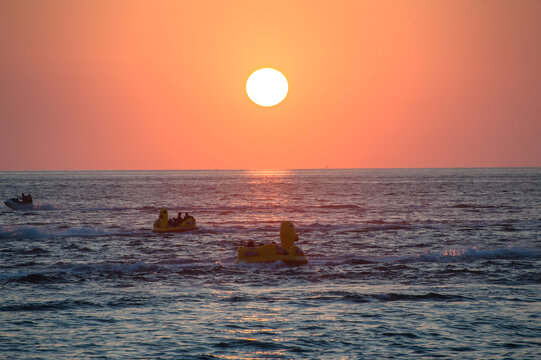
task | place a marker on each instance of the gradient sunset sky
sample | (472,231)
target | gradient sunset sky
(119,85)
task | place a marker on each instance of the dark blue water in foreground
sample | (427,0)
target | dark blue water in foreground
(402,264)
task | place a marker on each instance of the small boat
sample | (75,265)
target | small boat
(287,252)
(22,203)
(165,225)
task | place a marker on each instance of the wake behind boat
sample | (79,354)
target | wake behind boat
(24,202)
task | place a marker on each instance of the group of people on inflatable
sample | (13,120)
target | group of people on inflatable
(176,221)
(164,224)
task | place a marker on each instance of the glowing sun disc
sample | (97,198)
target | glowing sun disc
(267,87)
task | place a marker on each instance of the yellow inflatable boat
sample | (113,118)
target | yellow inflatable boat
(288,252)
(165,225)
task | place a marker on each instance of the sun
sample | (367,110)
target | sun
(267,87)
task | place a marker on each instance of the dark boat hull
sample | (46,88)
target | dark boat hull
(16,204)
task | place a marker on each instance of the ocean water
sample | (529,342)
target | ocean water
(403,263)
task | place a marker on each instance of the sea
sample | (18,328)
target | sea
(402,264)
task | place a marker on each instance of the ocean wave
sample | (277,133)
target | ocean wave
(445,256)
(473,206)
(117,208)
(240,229)
(25,232)
(67,272)
(385,227)
(37,278)
(473,253)
(272,226)
(454,255)
(481,207)
(432,296)
(418,297)
(48,305)
(224,209)
(351,297)
(339,206)
(364,227)
(249,343)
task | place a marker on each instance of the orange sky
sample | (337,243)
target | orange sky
(161,84)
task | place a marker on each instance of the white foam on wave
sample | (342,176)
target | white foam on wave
(473,253)
(452,255)
(26,232)
(509,252)
(84,269)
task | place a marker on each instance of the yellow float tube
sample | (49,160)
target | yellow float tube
(288,252)
(161,225)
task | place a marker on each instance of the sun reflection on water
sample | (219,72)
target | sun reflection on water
(269,172)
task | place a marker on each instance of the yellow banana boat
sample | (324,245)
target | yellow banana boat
(288,252)
(165,225)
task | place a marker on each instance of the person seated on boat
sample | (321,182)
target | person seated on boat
(250,243)
(188,216)
(23,196)
(179,218)
(29,199)
(279,249)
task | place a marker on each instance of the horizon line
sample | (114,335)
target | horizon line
(283,169)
